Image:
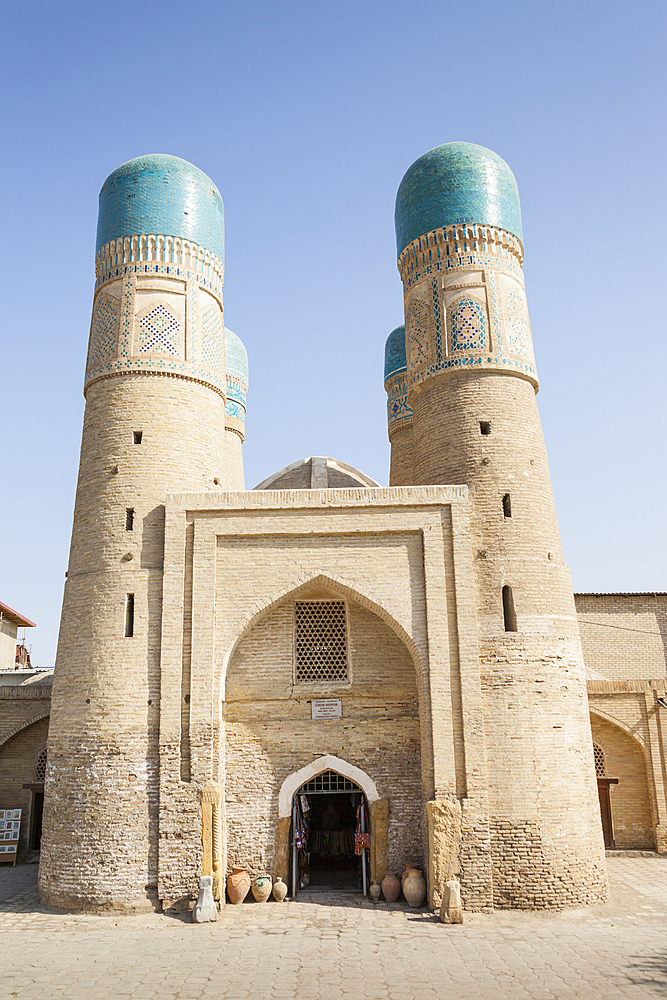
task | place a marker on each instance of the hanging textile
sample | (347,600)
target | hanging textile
(362,839)
(300,827)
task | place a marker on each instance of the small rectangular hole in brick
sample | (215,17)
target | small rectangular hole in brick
(509,614)
(507,505)
(129,519)
(129,616)
(137,436)
(485,427)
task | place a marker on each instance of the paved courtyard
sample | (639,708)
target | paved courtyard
(330,947)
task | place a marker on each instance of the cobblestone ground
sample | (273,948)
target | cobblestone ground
(330,947)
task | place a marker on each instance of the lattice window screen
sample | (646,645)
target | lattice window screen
(329,781)
(321,641)
(40,769)
(598,754)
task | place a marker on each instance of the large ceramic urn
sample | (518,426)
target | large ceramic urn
(238,884)
(414,888)
(391,887)
(261,888)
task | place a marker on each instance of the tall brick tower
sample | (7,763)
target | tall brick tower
(468,414)
(157,421)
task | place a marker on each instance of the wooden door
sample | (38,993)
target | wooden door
(605,810)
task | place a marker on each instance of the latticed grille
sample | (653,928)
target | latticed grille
(329,781)
(598,754)
(40,768)
(321,641)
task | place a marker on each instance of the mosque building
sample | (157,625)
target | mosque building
(255,676)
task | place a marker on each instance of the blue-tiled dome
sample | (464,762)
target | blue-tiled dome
(236,356)
(164,195)
(394,352)
(457,182)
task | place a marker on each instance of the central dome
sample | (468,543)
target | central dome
(164,195)
(456,183)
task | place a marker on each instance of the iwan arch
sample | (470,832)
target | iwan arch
(201,621)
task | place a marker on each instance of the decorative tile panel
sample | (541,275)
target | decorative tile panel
(103,331)
(398,407)
(212,344)
(416,338)
(467,325)
(437,318)
(516,324)
(160,332)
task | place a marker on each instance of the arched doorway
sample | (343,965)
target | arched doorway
(625,802)
(330,835)
(338,796)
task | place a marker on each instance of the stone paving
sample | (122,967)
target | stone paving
(328,946)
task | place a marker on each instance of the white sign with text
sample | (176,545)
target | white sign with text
(327,708)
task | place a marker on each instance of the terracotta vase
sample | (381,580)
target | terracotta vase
(238,884)
(414,888)
(391,887)
(261,888)
(375,891)
(405,874)
(279,890)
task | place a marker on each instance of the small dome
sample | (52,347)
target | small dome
(164,195)
(394,352)
(236,356)
(317,473)
(454,183)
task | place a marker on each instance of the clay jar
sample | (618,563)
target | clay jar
(405,874)
(279,890)
(414,888)
(238,884)
(391,887)
(261,888)
(375,891)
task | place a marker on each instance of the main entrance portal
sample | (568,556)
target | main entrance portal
(330,835)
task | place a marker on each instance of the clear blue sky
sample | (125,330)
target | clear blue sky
(306,116)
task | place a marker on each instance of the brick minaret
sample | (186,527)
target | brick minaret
(471,387)
(155,423)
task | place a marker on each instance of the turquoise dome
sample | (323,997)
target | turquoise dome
(454,183)
(236,356)
(394,352)
(164,195)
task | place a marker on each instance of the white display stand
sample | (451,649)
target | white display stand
(10,827)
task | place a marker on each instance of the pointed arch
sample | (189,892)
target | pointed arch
(325,763)
(621,725)
(345,588)
(24,725)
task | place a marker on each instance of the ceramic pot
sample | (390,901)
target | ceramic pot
(391,887)
(375,891)
(408,869)
(414,888)
(238,884)
(261,888)
(279,890)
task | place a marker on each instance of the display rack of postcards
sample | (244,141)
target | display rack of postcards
(10,826)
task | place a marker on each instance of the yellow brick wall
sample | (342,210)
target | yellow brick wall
(624,636)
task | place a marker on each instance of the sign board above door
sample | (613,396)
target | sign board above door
(326,708)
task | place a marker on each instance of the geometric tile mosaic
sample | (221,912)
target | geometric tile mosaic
(467,326)
(416,325)
(212,350)
(159,332)
(103,331)
(516,325)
